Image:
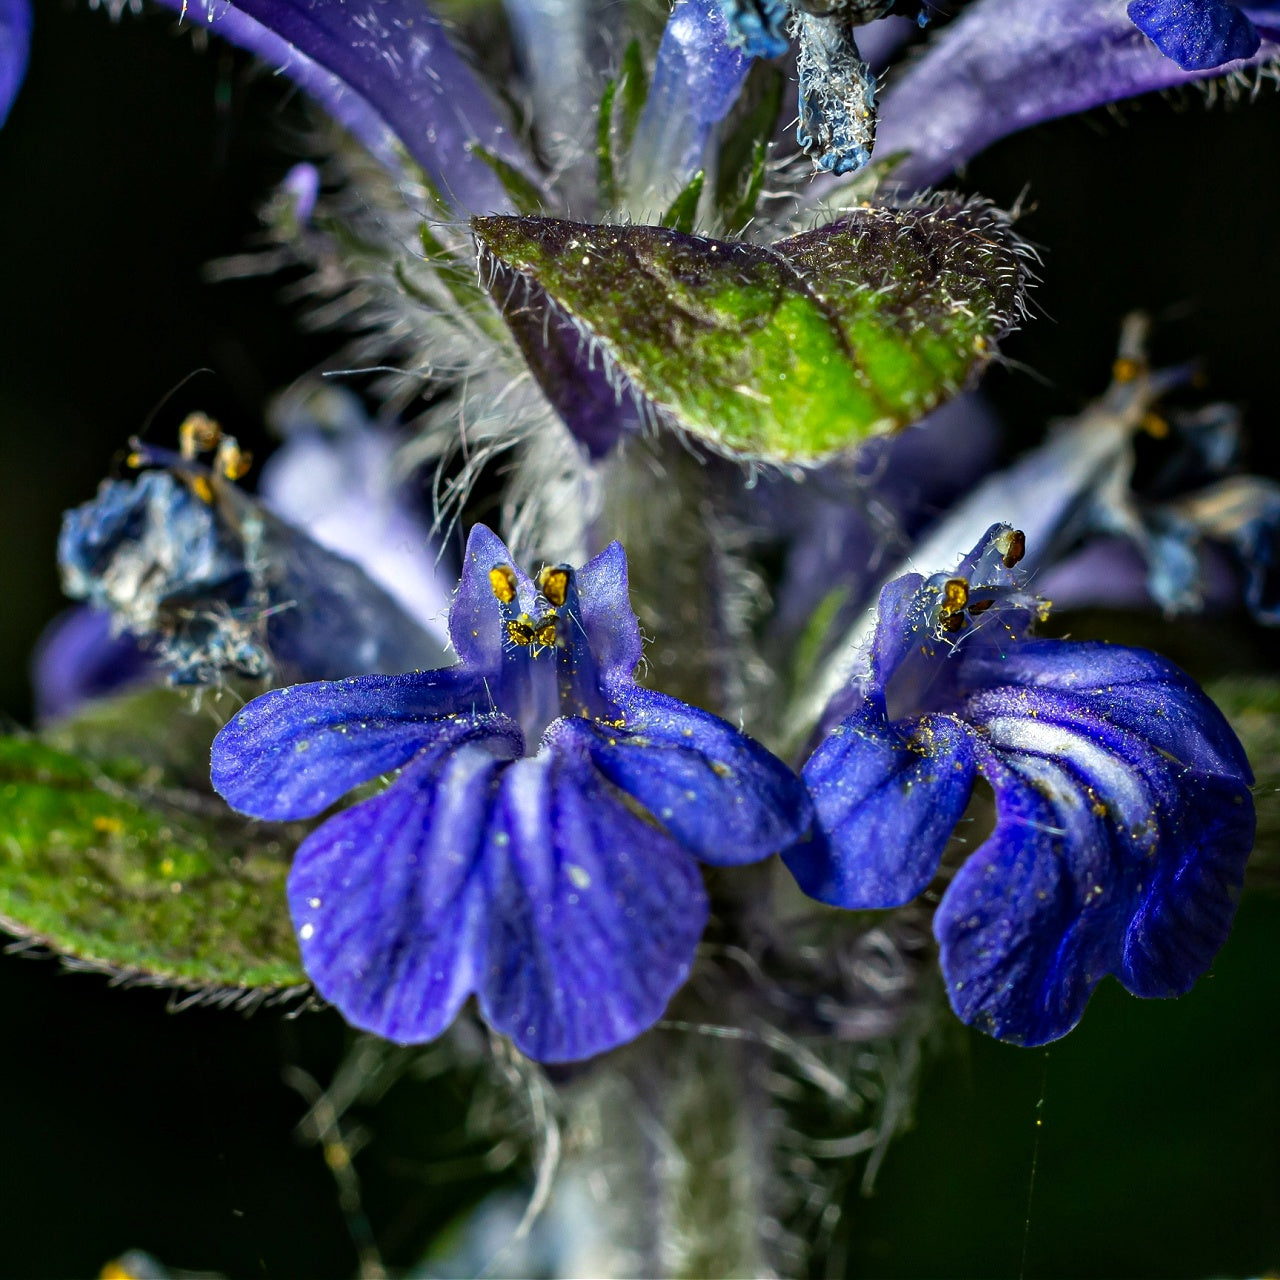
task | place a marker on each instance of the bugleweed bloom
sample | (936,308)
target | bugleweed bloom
(540,847)
(1124,816)
(211,582)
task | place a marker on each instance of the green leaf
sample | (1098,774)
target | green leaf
(606,165)
(115,854)
(745,149)
(634,87)
(787,353)
(524,192)
(684,208)
(620,106)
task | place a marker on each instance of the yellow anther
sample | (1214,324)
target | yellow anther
(502,578)
(955,595)
(231,461)
(1155,426)
(520,631)
(1012,546)
(545,632)
(201,487)
(197,434)
(1126,369)
(554,584)
(134,459)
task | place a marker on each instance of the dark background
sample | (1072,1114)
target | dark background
(132,158)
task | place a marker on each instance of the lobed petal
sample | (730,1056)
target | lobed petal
(293,751)
(718,792)
(1124,805)
(77,658)
(887,798)
(389,901)
(594,913)
(1023,940)
(612,630)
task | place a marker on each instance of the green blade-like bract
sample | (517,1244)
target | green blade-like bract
(115,854)
(788,353)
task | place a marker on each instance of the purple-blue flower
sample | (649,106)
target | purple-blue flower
(1123,812)
(540,846)
(1201,34)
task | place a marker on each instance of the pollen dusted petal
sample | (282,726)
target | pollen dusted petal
(722,795)
(887,799)
(594,914)
(389,900)
(1024,938)
(292,752)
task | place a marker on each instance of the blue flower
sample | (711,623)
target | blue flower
(540,847)
(1124,817)
(1201,34)
(210,581)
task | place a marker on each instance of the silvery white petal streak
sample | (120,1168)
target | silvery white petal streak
(385,69)
(1004,65)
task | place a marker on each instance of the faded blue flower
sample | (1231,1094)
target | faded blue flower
(837,97)
(1201,34)
(1124,816)
(540,847)
(212,582)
